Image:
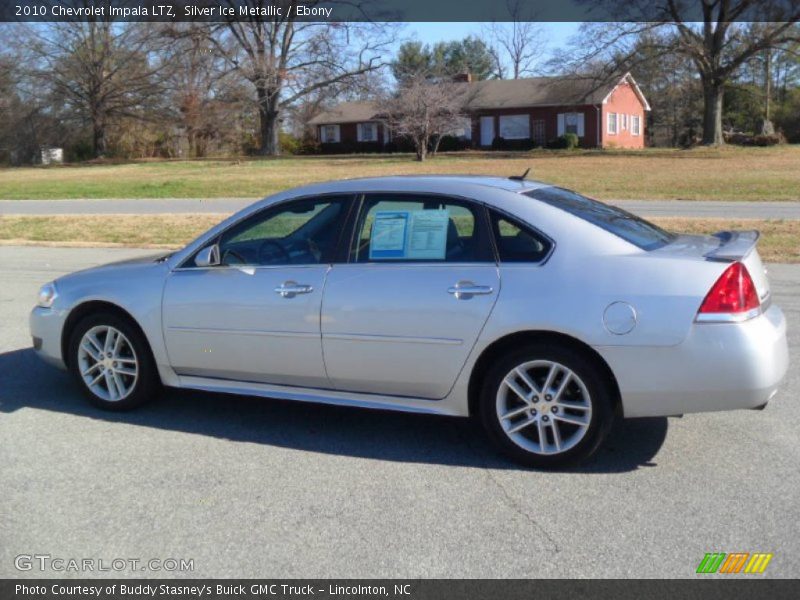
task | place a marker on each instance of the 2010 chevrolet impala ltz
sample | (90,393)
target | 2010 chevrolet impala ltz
(540,311)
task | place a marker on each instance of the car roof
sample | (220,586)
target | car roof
(504,183)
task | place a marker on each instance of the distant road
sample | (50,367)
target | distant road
(645,208)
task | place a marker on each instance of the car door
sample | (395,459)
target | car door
(401,317)
(255,316)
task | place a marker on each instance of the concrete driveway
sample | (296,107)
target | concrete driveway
(256,488)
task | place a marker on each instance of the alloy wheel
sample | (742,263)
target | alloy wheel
(544,407)
(107,363)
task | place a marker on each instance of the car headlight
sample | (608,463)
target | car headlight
(47,295)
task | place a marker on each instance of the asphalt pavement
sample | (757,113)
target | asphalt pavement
(645,208)
(259,488)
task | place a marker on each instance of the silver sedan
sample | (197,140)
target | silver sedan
(541,312)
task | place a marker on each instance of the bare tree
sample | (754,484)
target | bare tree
(201,89)
(518,44)
(424,111)
(718,45)
(286,59)
(101,68)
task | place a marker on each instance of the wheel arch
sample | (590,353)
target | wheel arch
(90,307)
(514,340)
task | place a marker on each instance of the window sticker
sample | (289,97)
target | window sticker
(409,235)
(427,237)
(388,238)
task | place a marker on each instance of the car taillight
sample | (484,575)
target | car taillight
(733,294)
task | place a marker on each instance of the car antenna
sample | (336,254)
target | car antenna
(520,177)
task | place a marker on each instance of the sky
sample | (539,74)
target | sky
(557,34)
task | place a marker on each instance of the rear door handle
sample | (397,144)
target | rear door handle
(464,290)
(289,289)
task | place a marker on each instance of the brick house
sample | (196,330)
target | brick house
(531,111)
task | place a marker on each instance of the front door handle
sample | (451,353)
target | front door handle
(289,289)
(464,290)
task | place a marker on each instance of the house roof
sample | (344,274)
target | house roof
(347,112)
(504,93)
(543,91)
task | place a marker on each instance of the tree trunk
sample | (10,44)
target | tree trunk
(99,136)
(269,123)
(712,112)
(436,143)
(422,149)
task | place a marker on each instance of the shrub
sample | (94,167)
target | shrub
(351,148)
(400,144)
(288,143)
(451,143)
(500,143)
(744,139)
(80,151)
(308,145)
(568,141)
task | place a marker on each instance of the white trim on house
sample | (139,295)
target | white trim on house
(487,130)
(330,134)
(367,132)
(636,125)
(615,129)
(571,119)
(636,90)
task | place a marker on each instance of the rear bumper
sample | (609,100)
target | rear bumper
(719,366)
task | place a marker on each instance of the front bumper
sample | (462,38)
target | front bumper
(719,366)
(46,325)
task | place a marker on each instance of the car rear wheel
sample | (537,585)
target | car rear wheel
(112,362)
(546,406)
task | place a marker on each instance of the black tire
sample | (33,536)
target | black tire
(147,383)
(601,397)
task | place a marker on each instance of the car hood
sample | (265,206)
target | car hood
(122,268)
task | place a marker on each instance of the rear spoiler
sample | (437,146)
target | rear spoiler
(734,245)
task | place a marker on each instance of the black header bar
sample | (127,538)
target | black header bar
(389,10)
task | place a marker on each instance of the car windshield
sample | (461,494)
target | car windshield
(629,227)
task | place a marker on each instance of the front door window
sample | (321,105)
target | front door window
(303,232)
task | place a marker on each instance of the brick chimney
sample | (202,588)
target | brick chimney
(465,77)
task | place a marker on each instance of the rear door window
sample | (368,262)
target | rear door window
(621,223)
(517,243)
(418,228)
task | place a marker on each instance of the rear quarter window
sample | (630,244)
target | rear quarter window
(621,223)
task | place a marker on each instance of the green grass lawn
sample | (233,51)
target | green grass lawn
(729,173)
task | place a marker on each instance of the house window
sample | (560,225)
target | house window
(635,125)
(515,127)
(571,123)
(330,134)
(624,122)
(612,123)
(367,132)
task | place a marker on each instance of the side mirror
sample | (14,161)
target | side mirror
(207,257)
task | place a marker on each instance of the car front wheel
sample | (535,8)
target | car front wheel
(112,362)
(547,406)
